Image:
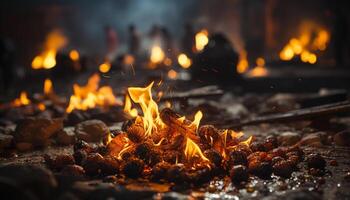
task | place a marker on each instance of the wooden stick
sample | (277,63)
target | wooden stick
(301,114)
(211,90)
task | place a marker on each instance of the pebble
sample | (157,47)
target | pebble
(92,131)
(5,140)
(289,138)
(342,138)
(65,136)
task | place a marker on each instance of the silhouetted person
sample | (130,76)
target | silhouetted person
(6,64)
(134,41)
(188,40)
(217,62)
(111,42)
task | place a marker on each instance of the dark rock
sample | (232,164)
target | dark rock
(92,131)
(92,164)
(73,170)
(37,180)
(260,169)
(283,168)
(315,161)
(159,171)
(133,168)
(342,138)
(37,131)
(239,173)
(80,156)
(58,162)
(238,157)
(177,173)
(214,157)
(65,137)
(5,141)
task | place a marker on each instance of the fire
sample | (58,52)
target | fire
(243,64)
(151,118)
(47,59)
(90,95)
(260,69)
(127,107)
(74,55)
(157,55)
(303,46)
(48,88)
(105,67)
(184,61)
(192,150)
(201,39)
(22,100)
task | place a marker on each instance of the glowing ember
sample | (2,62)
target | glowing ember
(74,55)
(47,59)
(157,55)
(48,88)
(243,64)
(104,67)
(22,100)
(90,95)
(201,39)
(184,61)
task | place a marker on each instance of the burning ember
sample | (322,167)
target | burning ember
(47,59)
(22,100)
(184,61)
(74,55)
(305,45)
(91,96)
(201,39)
(166,131)
(48,88)
(243,64)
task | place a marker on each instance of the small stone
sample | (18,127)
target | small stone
(73,170)
(213,156)
(333,163)
(238,157)
(289,138)
(5,141)
(342,138)
(37,131)
(159,171)
(313,139)
(92,164)
(92,131)
(23,146)
(133,168)
(60,161)
(283,168)
(65,137)
(315,161)
(239,173)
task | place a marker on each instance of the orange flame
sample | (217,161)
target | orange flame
(151,118)
(22,100)
(260,69)
(47,59)
(74,55)
(243,64)
(127,107)
(48,88)
(90,95)
(104,67)
(192,150)
(201,39)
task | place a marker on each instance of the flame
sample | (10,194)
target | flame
(304,45)
(127,107)
(157,55)
(192,150)
(260,69)
(243,64)
(22,100)
(104,67)
(41,106)
(48,88)
(74,55)
(47,59)
(151,118)
(201,39)
(90,95)
(184,61)
(197,118)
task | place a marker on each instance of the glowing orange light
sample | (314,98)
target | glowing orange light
(47,59)
(74,55)
(184,61)
(243,64)
(172,74)
(104,67)
(260,69)
(127,107)
(157,55)
(201,39)
(22,100)
(48,88)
